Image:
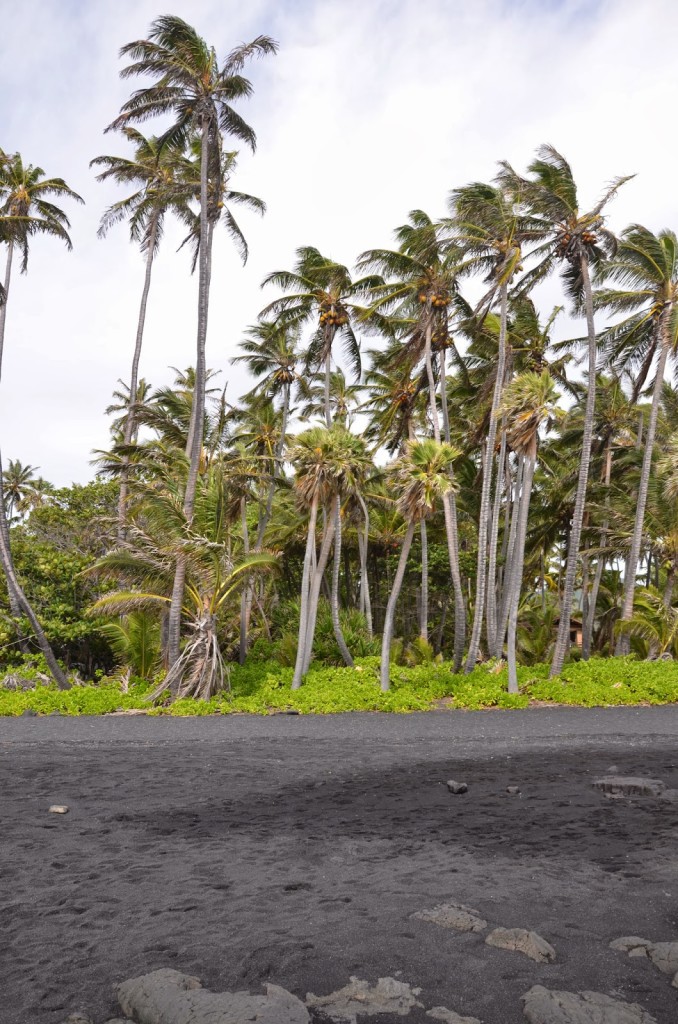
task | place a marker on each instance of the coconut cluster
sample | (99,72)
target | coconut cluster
(333,317)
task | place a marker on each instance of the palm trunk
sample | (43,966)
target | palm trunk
(530,460)
(14,603)
(195,434)
(364,576)
(334,597)
(589,622)
(494,538)
(314,590)
(391,607)
(450,511)
(510,558)
(623,645)
(481,571)
(452,529)
(130,425)
(280,448)
(24,605)
(246,596)
(305,584)
(3,305)
(328,369)
(563,638)
(423,611)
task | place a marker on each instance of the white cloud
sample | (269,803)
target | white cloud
(370,109)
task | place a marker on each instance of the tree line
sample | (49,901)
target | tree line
(397,434)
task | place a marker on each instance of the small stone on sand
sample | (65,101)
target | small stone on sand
(457,787)
(58,809)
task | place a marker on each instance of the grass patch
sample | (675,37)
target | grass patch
(263,688)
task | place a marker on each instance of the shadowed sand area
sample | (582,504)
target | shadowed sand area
(293,850)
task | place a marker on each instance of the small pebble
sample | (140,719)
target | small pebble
(513,790)
(58,809)
(456,787)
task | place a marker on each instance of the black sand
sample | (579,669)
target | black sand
(295,849)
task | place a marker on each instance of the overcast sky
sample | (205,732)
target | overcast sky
(371,108)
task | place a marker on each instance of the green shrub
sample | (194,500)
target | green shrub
(264,687)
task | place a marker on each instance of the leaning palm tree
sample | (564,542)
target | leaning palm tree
(646,268)
(529,400)
(198,93)
(576,240)
(157,174)
(26,211)
(19,603)
(423,475)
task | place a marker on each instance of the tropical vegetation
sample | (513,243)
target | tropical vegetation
(429,491)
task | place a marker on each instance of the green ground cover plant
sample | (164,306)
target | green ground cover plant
(265,687)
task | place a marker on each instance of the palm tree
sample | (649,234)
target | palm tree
(154,172)
(199,92)
(320,291)
(576,240)
(26,210)
(528,401)
(18,481)
(490,229)
(328,463)
(144,566)
(646,267)
(270,352)
(413,306)
(422,476)
(19,602)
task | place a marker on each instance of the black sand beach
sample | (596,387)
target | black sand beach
(293,850)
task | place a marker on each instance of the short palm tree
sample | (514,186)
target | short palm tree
(328,464)
(646,268)
(198,93)
(575,240)
(422,476)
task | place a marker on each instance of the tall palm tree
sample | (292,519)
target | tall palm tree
(528,401)
(155,172)
(646,268)
(413,304)
(422,476)
(198,93)
(575,240)
(26,211)
(491,230)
